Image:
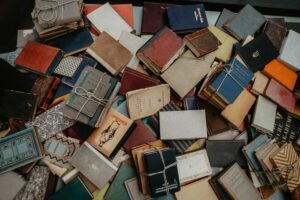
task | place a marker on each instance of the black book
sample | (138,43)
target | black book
(259,52)
(153,164)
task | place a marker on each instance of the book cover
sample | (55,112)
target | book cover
(224,16)
(276,32)
(68,66)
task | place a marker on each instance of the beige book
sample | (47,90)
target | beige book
(197,190)
(187,71)
(110,53)
(56,170)
(100,193)
(145,102)
(236,112)
(260,83)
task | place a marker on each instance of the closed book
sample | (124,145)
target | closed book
(106,19)
(117,189)
(133,190)
(29,149)
(260,83)
(280,95)
(245,23)
(110,53)
(188,124)
(161,50)
(137,19)
(157,162)
(218,189)
(259,52)
(189,67)
(289,52)
(222,153)
(276,32)
(16,183)
(39,58)
(224,16)
(91,163)
(187,18)
(68,66)
(134,80)
(264,115)
(201,42)
(281,73)
(154,17)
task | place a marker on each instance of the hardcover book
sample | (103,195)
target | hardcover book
(133,190)
(16,183)
(224,16)
(276,32)
(260,83)
(68,66)
(218,189)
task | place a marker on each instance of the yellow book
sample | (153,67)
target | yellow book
(100,193)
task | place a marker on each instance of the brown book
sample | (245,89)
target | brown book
(110,53)
(202,42)
(275,32)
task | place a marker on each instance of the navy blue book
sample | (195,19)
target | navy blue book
(187,18)
(231,81)
(73,42)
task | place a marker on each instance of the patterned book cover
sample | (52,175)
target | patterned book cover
(68,66)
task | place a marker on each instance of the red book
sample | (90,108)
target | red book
(39,58)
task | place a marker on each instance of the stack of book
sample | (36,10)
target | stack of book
(150,102)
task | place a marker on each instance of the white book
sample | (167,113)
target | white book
(181,125)
(105,18)
(137,19)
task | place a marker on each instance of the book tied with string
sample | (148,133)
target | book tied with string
(91,97)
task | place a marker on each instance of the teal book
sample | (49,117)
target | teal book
(75,190)
(117,189)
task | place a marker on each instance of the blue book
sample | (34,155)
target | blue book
(231,81)
(187,18)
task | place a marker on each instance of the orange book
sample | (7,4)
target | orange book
(281,73)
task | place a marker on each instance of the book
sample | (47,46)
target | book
(218,189)
(281,73)
(245,23)
(39,58)
(16,183)
(106,19)
(68,66)
(201,42)
(236,182)
(29,145)
(224,16)
(133,190)
(159,52)
(257,53)
(137,19)
(188,66)
(193,166)
(112,134)
(91,163)
(188,124)
(100,193)
(289,50)
(187,18)
(276,32)
(138,101)
(260,83)
(110,53)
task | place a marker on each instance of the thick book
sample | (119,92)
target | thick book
(39,58)
(110,53)
(224,16)
(259,52)
(133,190)
(187,18)
(276,32)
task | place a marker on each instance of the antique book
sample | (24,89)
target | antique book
(222,153)
(236,112)
(134,80)
(106,19)
(224,16)
(257,53)
(218,189)
(39,58)
(188,66)
(91,163)
(59,149)
(117,189)
(286,99)
(188,124)
(197,190)
(112,134)
(68,66)
(187,18)
(225,47)
(145,102)
(153,164)
(133,190)
(16,183)
(236,182)
(73,42)
(289,52)
(18,105)
(141,168)
(29,149)
(245,23)
(110,53)
(281,73)
(264,115)
(201,42)
(276,32)
(25,36)
(79,105)
(260,83)
(153,17)
(75,190)
(193,166)
(159,52)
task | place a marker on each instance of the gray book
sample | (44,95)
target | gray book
(137,19)
(223,18)
(10,184)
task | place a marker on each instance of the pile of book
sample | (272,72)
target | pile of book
(150,102)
